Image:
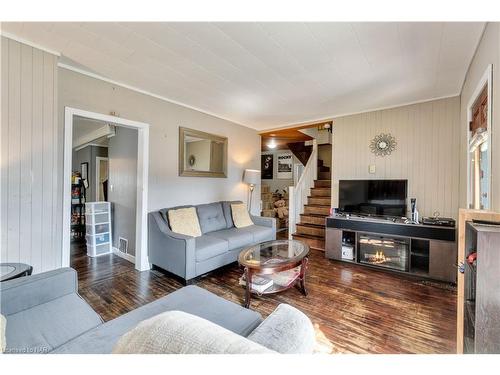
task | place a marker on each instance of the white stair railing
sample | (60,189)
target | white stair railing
(297,195)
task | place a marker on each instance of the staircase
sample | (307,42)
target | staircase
(311,228)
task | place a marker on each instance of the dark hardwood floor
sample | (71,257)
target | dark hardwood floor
(354,309)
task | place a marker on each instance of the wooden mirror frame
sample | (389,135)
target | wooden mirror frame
(196,133)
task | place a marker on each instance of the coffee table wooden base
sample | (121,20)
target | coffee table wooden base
(300,280)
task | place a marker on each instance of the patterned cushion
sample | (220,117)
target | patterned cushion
(240,215)
(177,332)
(184,221)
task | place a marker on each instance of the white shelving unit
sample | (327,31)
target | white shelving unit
(98,228)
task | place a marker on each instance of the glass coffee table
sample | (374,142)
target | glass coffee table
(274,266)
(9,271)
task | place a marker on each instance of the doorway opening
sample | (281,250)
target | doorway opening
(296,163)
(105,187)
(101,178)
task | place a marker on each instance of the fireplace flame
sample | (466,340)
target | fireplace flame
(379,257)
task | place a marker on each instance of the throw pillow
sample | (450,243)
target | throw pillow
(240,215)
(184,221)
(177,332)
(3,324)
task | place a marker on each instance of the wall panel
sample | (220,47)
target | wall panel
(427,152)
(29,175)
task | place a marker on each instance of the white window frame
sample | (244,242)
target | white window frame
(486,80)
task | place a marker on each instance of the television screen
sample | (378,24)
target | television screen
(373,197)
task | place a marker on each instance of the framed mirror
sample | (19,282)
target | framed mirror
(202,154)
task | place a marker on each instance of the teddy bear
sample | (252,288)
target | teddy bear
(280,209)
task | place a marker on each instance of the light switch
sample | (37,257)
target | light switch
(371,168)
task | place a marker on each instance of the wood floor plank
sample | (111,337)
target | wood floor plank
(354,309)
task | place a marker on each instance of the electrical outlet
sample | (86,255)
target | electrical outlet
(372,168)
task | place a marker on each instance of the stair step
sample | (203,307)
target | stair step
(323,183)
(315,230)
(324,175)
(321,192)
(323,201)
(313,219)
(316,209)
(323,168)
(314,242)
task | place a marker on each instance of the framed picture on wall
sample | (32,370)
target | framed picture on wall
(285,166)
(267,167)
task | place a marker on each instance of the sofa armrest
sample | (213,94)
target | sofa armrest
(171,251)
(269,222)
(287,331)
(29,291)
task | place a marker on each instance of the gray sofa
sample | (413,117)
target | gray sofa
(220,244)
(45,314)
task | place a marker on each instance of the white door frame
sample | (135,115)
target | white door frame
(141,242)
(98,173)
(486,79)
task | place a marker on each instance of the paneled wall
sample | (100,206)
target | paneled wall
(427,152)
(30,186)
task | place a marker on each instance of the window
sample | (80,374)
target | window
(479,145)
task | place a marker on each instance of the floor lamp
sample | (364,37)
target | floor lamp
(252,178)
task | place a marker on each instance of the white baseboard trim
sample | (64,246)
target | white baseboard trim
(128,257)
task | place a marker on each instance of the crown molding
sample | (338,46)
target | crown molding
(145,92)
(29,43)
(337,116)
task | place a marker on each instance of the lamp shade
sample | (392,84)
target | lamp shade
(251,176)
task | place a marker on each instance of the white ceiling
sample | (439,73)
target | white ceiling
(266,75)
(85,126)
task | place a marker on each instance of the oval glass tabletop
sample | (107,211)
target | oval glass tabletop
(12,270)
(6,269)
(273,254)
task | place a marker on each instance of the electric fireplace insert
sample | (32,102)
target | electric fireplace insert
(385,252)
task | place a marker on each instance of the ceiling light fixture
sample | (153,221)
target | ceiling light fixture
(272,143)
(328,126)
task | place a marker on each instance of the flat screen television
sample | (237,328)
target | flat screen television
(373,197)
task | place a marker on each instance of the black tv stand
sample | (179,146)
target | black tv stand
(394,244)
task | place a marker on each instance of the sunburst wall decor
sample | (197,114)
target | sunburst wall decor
(383,144)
